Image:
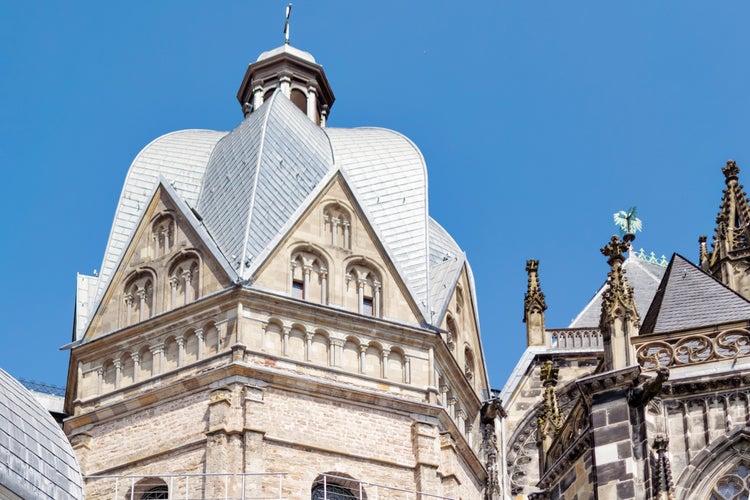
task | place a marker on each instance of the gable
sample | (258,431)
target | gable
(460,323)
(330,253)
(688,298)
(166,265)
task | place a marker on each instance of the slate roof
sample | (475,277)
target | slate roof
(689,298)
(249,184)
(36,459)
(643,276)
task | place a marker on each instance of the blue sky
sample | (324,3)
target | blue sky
(538,121)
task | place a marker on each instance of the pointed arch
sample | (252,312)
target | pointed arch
(718,467)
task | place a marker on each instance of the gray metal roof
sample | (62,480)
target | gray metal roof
(643,276)
(250,183)
(181,158)
(689,298)
(36,459)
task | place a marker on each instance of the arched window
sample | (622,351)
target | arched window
(139,298)
(337,486)
(337,223)
(162,231)
(331,492)
(156,493)
(184,281)
(299,99)
(452,336)
(459,300)
(149,488)
(468,363)
(363,289)
(308,276)
(733,484)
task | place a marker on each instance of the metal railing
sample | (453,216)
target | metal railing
(241,486)
(363,490)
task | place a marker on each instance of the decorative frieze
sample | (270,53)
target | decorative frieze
(693,349)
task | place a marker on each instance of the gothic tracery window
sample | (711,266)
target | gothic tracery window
(337,223)
(364,289)
(733,485)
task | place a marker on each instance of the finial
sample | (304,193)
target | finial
(286,24)
(628,223)
(615,248)
(703,252)
(731,170)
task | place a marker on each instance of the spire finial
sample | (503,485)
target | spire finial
(286,24)
(731,170)
(534,306)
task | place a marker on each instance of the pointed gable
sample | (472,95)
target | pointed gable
(325,253)
(167,244)
(689,298)
(259,175)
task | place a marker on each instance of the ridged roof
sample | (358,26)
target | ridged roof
(689,298)
(181,158)
(37,460)
(250,184)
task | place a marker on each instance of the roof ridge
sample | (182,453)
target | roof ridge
(259,163)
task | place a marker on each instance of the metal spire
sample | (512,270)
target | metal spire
(286,24)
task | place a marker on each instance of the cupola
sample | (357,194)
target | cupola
(296,74)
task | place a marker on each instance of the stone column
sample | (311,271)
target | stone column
(285,83)
(362,358)
(308,345)
(118,372)
(312,103)
(285,347)
(173,284)
(180,350)
(407,369)
(337,348)
(186,277)
(425,446)
(199,336)
(323,285)
(136,366)
(384,362)
(347,244)
(257,97)
(360,296)
(99,380)
(141,293)
(157,352)
(128,308)
(376,299)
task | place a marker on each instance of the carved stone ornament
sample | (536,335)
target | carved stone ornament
(534,297)
(694,349)
(618,298)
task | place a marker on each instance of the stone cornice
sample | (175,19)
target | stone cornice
(700,385)
(601,382)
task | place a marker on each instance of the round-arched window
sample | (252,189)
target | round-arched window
(331,492)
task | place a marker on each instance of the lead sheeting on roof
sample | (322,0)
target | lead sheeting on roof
(389,173)
(36,459)
(180,157)
(248,184)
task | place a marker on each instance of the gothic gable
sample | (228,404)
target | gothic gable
(333,256)
(166,265)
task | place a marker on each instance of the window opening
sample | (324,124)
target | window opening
(367,307)
(298,289)
(157,493)
(331,492)
(732,485)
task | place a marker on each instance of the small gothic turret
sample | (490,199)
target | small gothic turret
(295,74)
(619,319)
(729,260)
(534,306)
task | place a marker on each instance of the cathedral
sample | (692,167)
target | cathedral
(278,316)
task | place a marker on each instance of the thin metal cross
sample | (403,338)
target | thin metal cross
(286,24)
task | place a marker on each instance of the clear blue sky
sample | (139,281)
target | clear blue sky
(538,121)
